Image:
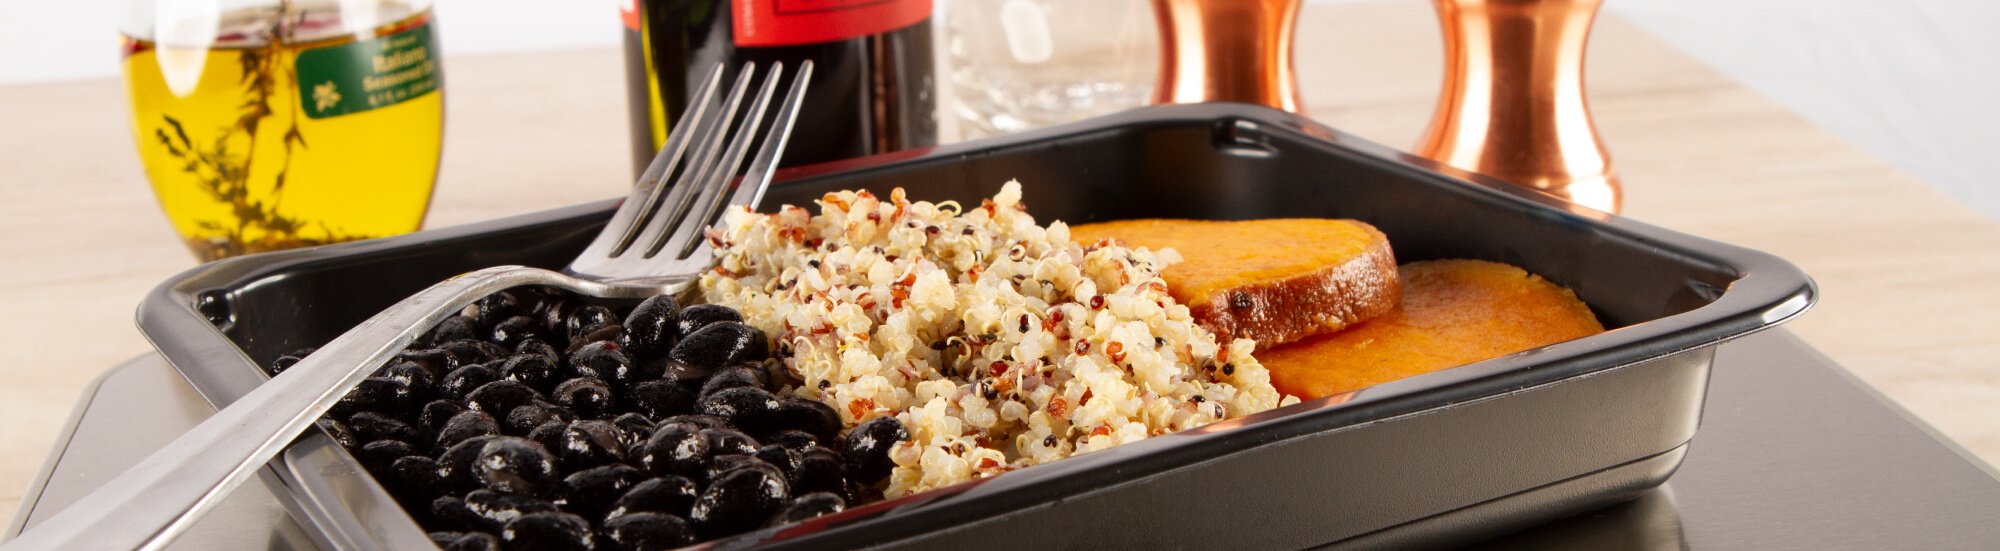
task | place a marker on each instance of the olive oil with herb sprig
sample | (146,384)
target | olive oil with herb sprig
(295,125)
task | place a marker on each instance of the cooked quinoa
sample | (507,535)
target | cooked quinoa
(998,343)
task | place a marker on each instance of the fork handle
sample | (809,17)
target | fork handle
(159,498)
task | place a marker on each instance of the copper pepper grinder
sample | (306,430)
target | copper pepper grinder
(1227,50)
(1513,106)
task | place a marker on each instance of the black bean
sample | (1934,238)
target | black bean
(414,479)
(377,394)
(696,317)
(513,331)
(648,531)
(649,329)
(686,375)
(809,415)
(492,510)
(413,375)
(587,319)
(720,344)
(809,506)
(437,361)
(549,434)
(866,448)
(555,310)
(548,532)
(608,334)
(727,441)
(588,444)
(722,464)
(500,397)
(339,432)
(699,421)
(818,470)
(599,359)
(452,512)
(796,440)
(371,426)
(533,370)
(633,430)
(558,412)
(452,329)
(541,348)
(660,399)
(740,500)
(587,396)
(474,541)
(379,454)
(464,380)
(778,456)
(733,377)
(466,425)
(750,408)
(668,494)
(590,492)
(493,308)
(674,448)
(524,419)
(457,464)
(469,351)
(629,374)
(517,465)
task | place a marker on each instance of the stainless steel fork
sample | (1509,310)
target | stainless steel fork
(654,244)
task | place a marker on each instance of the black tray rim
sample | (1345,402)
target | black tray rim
(1767,292)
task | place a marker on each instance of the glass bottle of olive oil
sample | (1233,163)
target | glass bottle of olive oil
(290,124)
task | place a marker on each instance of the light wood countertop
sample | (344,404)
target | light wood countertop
(1910,279)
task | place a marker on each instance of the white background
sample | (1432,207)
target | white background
(1911,81)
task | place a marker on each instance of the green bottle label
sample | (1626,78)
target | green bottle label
(367,74)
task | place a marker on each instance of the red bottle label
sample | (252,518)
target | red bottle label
(793,22)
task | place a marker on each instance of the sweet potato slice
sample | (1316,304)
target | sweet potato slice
(1453,312)
(1274,281)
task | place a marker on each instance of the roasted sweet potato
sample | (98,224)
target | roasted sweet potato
(1274,281)
(1453,312)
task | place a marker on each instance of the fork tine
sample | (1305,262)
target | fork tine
(699,131)
(639,204)
(711,140)
(685,236)
(751,190)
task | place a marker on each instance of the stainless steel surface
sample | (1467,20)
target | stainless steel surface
(133,409)
(157,498)
(1793,454)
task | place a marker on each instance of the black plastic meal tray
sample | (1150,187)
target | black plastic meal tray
(1447,457)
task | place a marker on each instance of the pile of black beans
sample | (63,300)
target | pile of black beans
(537,419)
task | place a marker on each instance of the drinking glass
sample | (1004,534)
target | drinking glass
(1013,65)
(271,124)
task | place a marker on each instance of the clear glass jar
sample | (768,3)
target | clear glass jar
(1012,65)
(273,124)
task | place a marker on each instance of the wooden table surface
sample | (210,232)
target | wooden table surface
(1908,276)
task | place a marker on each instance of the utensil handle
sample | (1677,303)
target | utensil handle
(1227,50)
(159,498)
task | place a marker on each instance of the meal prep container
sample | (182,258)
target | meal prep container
(1446,457)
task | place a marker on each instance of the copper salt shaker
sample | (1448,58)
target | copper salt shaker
(1513,104)
(1227,50)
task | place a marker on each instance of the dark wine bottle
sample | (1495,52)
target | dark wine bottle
(872,91)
